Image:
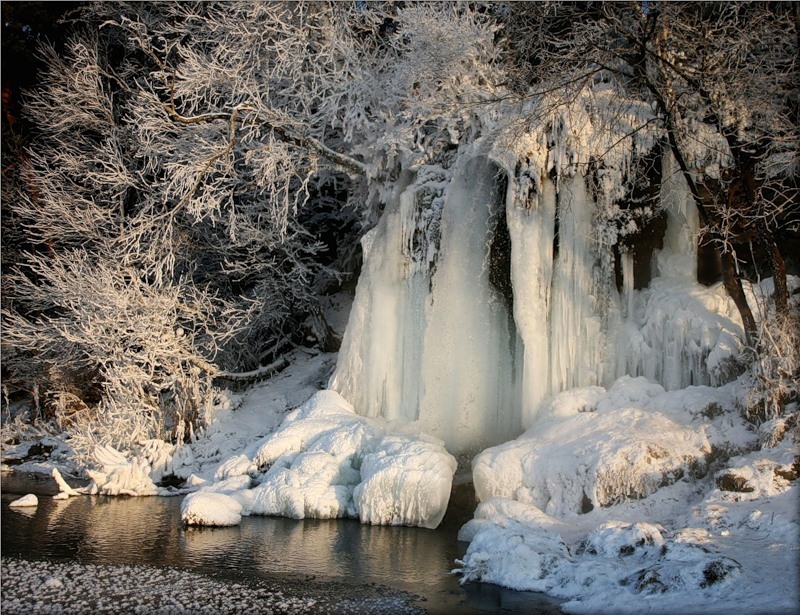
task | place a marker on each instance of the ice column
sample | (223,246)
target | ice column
(435,348)
(467,363)
(378,368)
(557,290)
(531,225)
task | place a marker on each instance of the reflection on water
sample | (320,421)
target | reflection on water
(148,531)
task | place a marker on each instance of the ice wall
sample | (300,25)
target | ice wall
(434,341)
(428,338)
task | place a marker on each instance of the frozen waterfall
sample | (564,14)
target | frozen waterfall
(428,338)
(446,338)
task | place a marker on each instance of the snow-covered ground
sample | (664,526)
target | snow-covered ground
(614,501)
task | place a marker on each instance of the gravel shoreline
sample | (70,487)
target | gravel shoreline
(35,587)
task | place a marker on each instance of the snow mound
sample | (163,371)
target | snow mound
(604,570)
(313,484)
(620,539)
(324,462)
(26,501)
(591,459)
(405,481)
(210,508)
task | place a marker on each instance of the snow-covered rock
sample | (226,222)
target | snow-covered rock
(325,461)
(588,459)
(612,566)
(211,508)
(26,501)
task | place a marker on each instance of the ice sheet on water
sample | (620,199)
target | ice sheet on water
(39,587)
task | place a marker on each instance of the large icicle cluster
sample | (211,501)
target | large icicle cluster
(428,338)
(445,334)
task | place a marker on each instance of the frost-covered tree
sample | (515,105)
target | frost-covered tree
(721,83)
(182,151)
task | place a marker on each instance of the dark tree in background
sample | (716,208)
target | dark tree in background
(25,25)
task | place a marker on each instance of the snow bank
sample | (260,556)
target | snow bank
(603,571)
(582,459)
(325,461)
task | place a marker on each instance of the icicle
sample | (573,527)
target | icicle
(627,282)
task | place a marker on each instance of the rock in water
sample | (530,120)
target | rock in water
(25,501)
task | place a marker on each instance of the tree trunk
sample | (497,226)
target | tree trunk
(326,337)
(733,285)
(731,281)
(781,294)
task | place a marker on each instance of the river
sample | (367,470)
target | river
(312,565)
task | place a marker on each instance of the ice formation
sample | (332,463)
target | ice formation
(325,461)
(446,334)
(428,338)
(29,500)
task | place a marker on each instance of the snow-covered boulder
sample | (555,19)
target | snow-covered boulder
(221,504)
(576,461)
(211,508)
(325,461)
(516,556)
(26,501)
(406,481)
(621,539)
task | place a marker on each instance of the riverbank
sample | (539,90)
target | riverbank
(39,587)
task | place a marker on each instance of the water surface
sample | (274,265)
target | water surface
(148,531)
